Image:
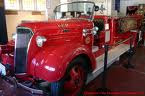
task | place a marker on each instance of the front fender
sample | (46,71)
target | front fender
(51,63)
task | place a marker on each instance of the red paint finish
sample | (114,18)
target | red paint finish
(50,61)
(61,48)
(65,40)
(115,36)
(7,54)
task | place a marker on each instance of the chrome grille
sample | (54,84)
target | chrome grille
(22,41)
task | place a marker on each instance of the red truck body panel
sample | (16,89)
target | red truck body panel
(65,41)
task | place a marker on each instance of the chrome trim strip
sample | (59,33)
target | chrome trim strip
(15,52)
(75,18)
(25,28)
(17,84)
(21,74)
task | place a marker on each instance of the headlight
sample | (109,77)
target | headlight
(40,40)
(14,36)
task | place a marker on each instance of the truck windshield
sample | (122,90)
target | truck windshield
(75,10)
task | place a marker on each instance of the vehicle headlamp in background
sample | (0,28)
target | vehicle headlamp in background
(40,40)
(14,35)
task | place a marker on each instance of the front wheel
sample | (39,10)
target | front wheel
(73,82)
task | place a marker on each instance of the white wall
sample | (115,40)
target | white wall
(125,3)
(114,12)
(64,1)
(53,4)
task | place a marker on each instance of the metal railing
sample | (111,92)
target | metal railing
(106,49)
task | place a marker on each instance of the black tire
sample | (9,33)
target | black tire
(57,88)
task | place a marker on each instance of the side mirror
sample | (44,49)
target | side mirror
(96,8)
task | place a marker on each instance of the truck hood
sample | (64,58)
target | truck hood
(56,24)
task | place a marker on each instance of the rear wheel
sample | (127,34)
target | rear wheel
(73,82)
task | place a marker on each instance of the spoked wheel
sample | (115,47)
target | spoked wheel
(73,82)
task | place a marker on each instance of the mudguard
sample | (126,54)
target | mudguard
(51,63)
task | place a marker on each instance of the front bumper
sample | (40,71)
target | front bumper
(17,83)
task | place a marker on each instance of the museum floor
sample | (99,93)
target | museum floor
(119,78)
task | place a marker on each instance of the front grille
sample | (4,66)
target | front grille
(22,41)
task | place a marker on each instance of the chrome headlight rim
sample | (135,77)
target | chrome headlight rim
(40,41)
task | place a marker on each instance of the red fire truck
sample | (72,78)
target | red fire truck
(60,56)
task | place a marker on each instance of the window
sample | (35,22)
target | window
(28,4)
(41,5)
(12,4)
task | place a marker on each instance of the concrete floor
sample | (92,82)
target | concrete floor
(119,79)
